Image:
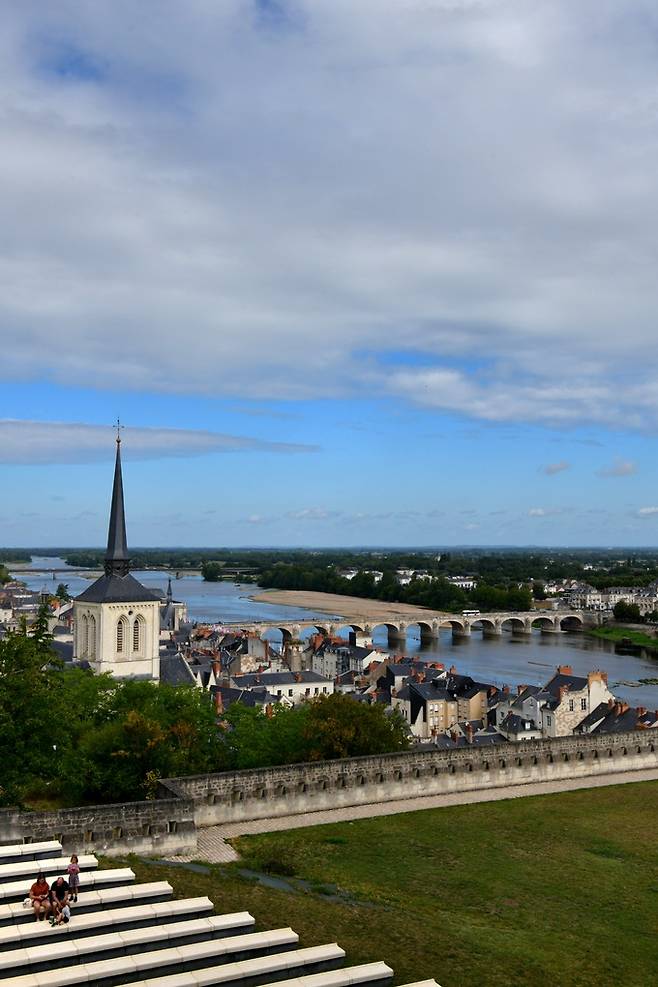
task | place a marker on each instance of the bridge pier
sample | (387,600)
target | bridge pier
(489,631)
(397,635)
(464,631)
(429,635)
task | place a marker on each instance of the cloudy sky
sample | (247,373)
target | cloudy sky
(374,272)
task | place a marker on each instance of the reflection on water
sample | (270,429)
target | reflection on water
(502,660)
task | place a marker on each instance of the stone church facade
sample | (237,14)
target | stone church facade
(116,619)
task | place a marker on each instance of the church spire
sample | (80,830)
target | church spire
(117,562)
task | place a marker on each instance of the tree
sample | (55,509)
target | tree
(338,726)
(62,592)
(628,613)
(211,571)
(538,590)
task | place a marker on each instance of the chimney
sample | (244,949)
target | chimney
(641,711)
(216,669)
(597,676)
(219,703)
(563,691)
(269,712)
(520,689)
(298,677)
(506,690)
(453,670)
(564,670)
(469,733)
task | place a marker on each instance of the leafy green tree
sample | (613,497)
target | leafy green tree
(211,571)
(337,726)
(62,592)
(538,590)
(33,722)
(627,612)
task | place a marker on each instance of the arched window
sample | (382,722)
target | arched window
(92,636)
(137,634)
(121,634)
(84,636)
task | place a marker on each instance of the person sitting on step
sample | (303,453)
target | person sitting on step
(59,897)
(40,897)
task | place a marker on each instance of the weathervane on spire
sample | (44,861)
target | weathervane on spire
(118,427)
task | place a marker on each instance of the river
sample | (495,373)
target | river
(509,659)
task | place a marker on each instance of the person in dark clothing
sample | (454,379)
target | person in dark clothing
(59,896)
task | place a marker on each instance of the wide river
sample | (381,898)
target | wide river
(502,660)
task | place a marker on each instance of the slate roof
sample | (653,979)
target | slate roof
(117,589)
(517,724)
(612,719)
(174,670)
(248,697)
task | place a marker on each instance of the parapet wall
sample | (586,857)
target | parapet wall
(260,793)
(168,824)
(159,827)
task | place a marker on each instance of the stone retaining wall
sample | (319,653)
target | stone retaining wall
(168,824)
(157,827)
(260,793)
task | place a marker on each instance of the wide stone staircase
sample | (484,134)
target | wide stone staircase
(140,935)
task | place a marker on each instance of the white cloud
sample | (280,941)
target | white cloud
(543,511)
(74,442)
(620,467)
(645,512)
(262,205)
(551,469)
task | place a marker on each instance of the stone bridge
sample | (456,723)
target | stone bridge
(429,624)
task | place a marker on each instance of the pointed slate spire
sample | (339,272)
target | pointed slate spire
(170,594)
(117,562)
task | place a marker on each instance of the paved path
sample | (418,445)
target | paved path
(212,845)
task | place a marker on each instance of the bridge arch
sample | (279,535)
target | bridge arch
(307,630)
(486,623)
(284,630)
(514,624)
(428,630)
(545,623)
(571,622)
(395,632)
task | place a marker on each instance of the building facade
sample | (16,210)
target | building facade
(116,620)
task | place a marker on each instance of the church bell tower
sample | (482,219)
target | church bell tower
(116,619)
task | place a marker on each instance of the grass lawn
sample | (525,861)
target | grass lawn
(556,889)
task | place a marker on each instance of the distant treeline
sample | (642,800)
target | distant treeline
(437,593)
(496,568)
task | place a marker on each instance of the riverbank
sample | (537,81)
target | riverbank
(335,604)
(625,634)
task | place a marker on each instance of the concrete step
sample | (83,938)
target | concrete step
(121,920)
(30,851)
(90,902)
(209,934)
(366,973)
(188,966)
(49,865)
(18,890)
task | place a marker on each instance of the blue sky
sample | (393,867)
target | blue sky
(349,273)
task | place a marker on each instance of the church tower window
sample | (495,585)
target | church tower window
(137,634)
(84,632)
(92,637)
(121,634)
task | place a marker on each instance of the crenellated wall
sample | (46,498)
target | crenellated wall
(300,788)
(168,824)
(155,827)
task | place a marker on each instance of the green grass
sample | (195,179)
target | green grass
(624,633)
(559,889)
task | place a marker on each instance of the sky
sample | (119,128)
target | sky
(374,273)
